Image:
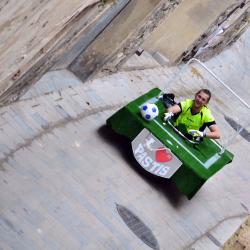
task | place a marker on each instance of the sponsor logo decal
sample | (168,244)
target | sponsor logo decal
(153,156)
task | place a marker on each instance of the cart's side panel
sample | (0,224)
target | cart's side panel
(123,123)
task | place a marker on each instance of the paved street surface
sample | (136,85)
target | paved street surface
(63,172)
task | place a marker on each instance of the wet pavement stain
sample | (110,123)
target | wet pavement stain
(196,72)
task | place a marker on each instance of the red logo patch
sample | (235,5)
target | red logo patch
(162,155)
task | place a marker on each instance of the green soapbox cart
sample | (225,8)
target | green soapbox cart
(164,151)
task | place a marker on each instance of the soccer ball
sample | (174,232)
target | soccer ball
(149,111)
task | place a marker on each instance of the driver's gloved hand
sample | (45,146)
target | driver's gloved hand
(167,116)
(197,135)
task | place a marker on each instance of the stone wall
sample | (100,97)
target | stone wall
(180,34)
(91,38)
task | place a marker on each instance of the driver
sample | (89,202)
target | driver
(193,116)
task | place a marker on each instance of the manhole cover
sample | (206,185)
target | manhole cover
(236,126)
(137,227)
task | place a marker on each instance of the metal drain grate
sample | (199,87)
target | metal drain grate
(236,126)
(138,227)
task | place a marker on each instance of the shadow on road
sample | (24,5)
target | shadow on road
(124,149)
